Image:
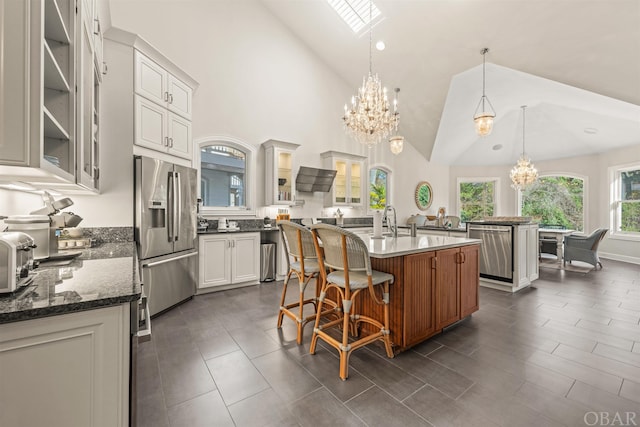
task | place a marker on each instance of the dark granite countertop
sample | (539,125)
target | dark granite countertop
(99,277)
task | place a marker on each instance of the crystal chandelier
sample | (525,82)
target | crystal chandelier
(483,116)
(370,119)
(523,173)
(396,142)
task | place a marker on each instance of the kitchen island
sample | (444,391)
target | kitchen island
(65,341)
(436,281)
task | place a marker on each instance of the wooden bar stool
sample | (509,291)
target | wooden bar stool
(302,262)
(347,256)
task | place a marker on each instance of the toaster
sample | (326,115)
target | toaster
(16,260)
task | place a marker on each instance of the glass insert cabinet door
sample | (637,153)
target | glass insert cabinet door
(285,176)
(341,182)
(356,180)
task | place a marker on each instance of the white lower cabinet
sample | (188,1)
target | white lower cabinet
(66,370)
(525,255)
(228,260)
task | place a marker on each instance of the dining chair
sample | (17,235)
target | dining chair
(347,257)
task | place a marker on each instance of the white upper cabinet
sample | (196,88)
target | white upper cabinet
(179,97)
(162,109)
(49,94)
(158,85)
(150,80)
(147,98)
(349,186)
(279,183)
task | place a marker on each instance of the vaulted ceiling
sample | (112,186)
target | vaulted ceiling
(574,63)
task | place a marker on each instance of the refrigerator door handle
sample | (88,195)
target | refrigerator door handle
(164,261)
(178,205)
(171,208)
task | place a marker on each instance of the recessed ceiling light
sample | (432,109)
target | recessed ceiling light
(497,147)
(380,45)
(591,130)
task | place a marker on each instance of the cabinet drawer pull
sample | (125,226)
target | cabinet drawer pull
(105,69)
(171,142)
(166,141)
(166,96)
(170,98)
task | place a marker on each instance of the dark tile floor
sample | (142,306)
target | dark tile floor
(549,355)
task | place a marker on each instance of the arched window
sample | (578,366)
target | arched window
(226,169)
(379,187)
(555,201)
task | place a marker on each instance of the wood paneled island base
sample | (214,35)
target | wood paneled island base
(436,284)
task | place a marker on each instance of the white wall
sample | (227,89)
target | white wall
(258,82)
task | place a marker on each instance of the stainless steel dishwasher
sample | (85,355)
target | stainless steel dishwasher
(496,251)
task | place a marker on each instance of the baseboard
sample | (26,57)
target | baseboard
(618,257)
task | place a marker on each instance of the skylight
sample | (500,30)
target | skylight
(355,12)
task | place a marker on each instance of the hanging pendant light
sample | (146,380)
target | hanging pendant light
(370,119)
(484,116)
(396,142)
(523,173)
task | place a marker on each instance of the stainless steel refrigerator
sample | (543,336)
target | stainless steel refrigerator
(165,231)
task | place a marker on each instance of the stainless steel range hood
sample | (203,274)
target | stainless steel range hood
(313,179)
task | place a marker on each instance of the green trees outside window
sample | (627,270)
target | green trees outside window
(555,201)
(378,187)
(477,200)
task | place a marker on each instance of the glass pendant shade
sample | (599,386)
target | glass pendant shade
(484,123)
(396,144)
(484,114)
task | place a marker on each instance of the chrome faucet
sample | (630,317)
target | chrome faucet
(391,228)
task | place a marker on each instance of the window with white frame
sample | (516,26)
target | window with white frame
(379,178)
(477,198)
(625,198)
(555,201)
(225,172)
